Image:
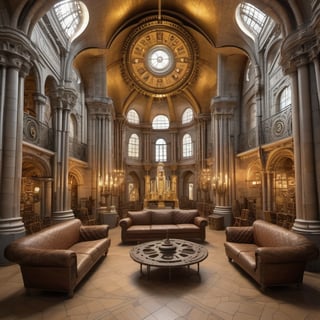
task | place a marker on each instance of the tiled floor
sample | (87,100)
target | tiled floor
(115,290)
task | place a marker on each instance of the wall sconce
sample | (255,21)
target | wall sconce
(255,183)
(220,183)
(36,189)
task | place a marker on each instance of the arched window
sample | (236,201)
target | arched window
(187,148)
(187,116)
(133,146)
(133,117)
(285,98)
(250,19)
(73,17)
(161,150)
(160,122)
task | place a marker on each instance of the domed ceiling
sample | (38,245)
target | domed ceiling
(164,63)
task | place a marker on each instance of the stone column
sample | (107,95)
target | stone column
(230,69)
(222,114)
(16,54)
(101,146)
(63,100)
(298,61)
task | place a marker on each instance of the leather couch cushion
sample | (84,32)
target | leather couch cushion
(270,235)
(187,227)
(139,229)
(93,248)
(234,249)
(161,217)
(164,227)
(184,216)
(247,260)
(58,236)
(140,217)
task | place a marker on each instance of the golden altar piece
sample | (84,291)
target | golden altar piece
(161,191)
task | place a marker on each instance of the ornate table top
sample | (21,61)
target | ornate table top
(169,253)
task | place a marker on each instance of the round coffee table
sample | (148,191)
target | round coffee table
(168,253)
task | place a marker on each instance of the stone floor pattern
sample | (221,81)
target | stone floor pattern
(115,290)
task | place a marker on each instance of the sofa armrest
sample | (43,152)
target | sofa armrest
(200,221)
(41,257)
(240,234)
(125,223)
(284,254)
(94,232)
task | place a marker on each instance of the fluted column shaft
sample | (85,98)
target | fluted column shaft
(101,143)
(223,155)
(63,100)
(298,60)
(16,56)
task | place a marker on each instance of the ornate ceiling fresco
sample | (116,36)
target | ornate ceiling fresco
(159,75)
(160,58)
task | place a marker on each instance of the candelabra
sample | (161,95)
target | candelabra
(111,185)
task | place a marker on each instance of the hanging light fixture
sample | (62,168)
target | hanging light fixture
(159,11)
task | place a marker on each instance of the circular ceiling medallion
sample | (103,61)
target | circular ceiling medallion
(159,58)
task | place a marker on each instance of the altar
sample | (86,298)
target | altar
(161,190)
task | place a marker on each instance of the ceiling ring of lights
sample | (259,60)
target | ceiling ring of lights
(159,58)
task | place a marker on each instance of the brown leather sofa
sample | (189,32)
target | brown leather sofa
(270,254)
(58,257)
(157,224)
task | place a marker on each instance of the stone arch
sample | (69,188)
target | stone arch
(78,176)
(278,154)
(254,172)
(36,192)
(280,167)
(35,166)
(187,177)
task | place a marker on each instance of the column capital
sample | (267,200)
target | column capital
(204,117)
(16,50)
(100,106)
(64,98)
(299,48)
(223,105)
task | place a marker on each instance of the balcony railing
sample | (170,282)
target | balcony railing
(37,133)
(41,135)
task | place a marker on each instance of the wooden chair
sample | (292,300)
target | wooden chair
(243,219)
